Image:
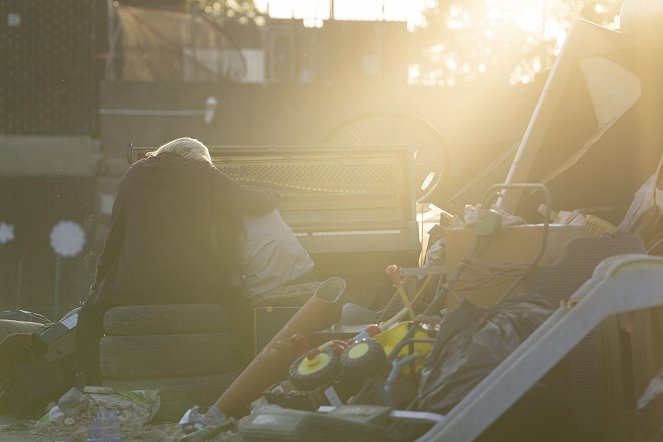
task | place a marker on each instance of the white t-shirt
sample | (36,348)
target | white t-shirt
(270,254)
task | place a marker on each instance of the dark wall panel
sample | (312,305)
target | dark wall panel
(33,206)
(47,72)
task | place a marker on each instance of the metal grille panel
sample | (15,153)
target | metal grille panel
(330,178)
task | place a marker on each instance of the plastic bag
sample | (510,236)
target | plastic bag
(133,408)
(471,342)
(645,197)
(197,418)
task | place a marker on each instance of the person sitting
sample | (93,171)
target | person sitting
(161,246)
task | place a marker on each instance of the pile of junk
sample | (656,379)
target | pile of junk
(545,330)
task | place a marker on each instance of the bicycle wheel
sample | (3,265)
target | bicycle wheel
(431,155)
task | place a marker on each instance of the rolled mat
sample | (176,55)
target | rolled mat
(272,363)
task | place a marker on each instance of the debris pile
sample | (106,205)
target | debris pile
(75,410)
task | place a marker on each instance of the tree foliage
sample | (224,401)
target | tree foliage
(240,11)
(513,39)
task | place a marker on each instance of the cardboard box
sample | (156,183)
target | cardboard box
(509,245)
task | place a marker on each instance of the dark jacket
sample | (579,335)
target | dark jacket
(161,247)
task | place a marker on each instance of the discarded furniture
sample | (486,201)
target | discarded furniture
(352,207)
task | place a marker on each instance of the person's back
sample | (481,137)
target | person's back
(160,248)
(166,255)
(271,257)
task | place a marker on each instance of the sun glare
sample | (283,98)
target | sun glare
(480,37)
(528,19)
(514,39)
(316,11)
(528,15)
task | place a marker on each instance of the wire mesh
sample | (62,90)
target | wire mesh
(332,177)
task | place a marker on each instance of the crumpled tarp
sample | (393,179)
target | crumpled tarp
(471,342)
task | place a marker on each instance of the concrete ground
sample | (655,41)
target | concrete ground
(22,430)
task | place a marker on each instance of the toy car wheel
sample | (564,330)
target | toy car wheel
(363,359)
(316,372)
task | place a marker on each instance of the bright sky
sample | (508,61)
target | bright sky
(315,11)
